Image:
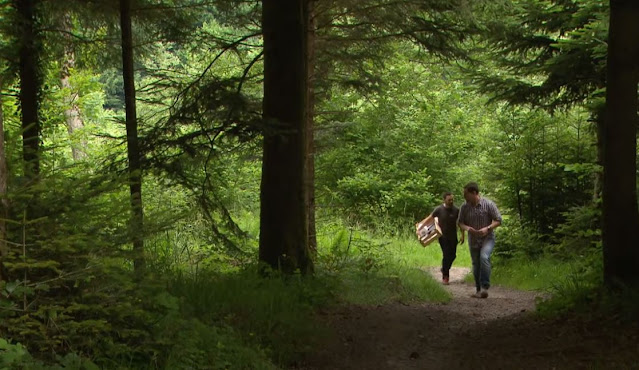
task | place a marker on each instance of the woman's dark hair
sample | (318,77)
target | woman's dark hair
(472,187)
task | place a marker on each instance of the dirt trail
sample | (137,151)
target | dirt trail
(466,333)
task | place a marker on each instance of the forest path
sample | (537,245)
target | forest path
(465,333)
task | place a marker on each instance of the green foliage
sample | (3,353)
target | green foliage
(193,345)
(334,255)
(544,273)
(541,166)
(393,283)
(270,315)
(343,249)
(11,354)
(374,269)
(391,156)
(70,287)
(581,233)
(16,356)
(548,54)
(517,240)
(582,294)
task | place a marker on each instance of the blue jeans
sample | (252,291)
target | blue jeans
(480,251)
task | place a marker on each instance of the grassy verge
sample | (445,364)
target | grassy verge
(374,269)
(545,274)
(393,283)
(243,320)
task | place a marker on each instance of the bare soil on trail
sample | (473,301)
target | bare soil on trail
(498,332)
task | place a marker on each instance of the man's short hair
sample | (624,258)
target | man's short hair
(447,193)
(472,187)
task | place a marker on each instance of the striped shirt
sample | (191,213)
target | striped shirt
(479,216)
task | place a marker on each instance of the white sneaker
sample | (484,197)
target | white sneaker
(483,293)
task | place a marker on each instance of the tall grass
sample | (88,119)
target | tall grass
(545,274)
(265,321)
(391,284)
(378,269)
(408,250)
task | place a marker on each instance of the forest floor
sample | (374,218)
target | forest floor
(499,332)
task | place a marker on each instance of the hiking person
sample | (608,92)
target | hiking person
(447,215)
(479,217)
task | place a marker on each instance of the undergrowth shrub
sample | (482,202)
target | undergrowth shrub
(515,240)
(69,285)
(580,235)
(192,344)
(16,356)
(582,293)
(270,317)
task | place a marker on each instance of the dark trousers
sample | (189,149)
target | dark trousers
(449,253)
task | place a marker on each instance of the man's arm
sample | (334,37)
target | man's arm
(435,212)
(463,234)
(493,225)
(496,216)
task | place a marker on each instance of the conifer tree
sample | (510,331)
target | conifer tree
(620,213)
(552,55)
(283,217)
(133,151)
(30,86)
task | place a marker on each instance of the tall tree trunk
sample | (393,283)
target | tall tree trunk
(29,89)
(133,152)
(310,130)
(72,111)
(620,213)
(4,202)
(283,216)
(599,119)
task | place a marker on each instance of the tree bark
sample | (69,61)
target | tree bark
(133,152)
(72,110)
(620,214)
(29,89)
(283,215)
(599,118)
(310,130)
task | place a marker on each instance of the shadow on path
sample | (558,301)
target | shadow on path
(465,333)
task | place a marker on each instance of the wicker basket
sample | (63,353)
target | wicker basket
(428,230)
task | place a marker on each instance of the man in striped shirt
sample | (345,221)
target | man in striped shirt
(479,217)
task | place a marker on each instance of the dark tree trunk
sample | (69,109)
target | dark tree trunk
(133,152)
(29,88)
(72,111)
(283,216)
(310,129)
(620,214)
